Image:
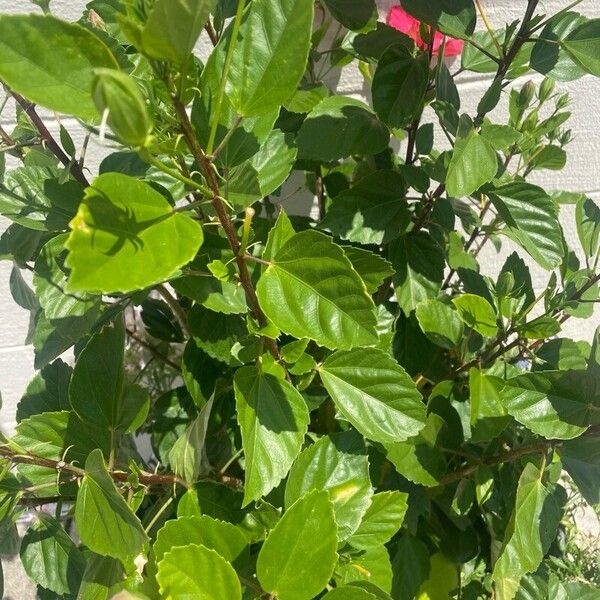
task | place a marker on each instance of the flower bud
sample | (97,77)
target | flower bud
(546,89)
(118,95)
(505,285)
(526,94)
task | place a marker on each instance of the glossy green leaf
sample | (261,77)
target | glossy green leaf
(273,419)
(550,58)
(540,328)
(347,592)
(338,464)
(102,578)
(310,290)
(553,404)
(220,296)
(117,240)
(173,27)
(399,86)
(371,567)
(488,414)
(419,264)
(223,537)
(523,548)
(115,405)
(587,219)
(454,17)
(104,520)
(187,457)
(48,391)
(374,393)
(440,323)
(338,127)
(270,54)
(200,373)
(50,282)
(474,163)
(411,567)
(382,520)
(57,436)
(34,197)
(581,459)
(297,559)
(372,268)
(194,571)
(264,173)
(52,62)
(50,557)
(351,14)
(583,46)
(531,221)
(373,211)
(477,313)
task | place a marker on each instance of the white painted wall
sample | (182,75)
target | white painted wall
(582,174)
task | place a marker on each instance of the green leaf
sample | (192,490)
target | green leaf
(52,62)
(117,242)
(310,290)
(411,567)
(583,46)
(440,323)
(382,520)
(264,173)
(48,391)
(501,137)
(105,522)
(548,57)
(173,27)
(50,557)
(220,296)
(188,456)
(523,548)
(374,393)
(540,328)
(273,419)
(374,211)
(116,404)
(33,197)
(338,464)
(581,460)
(50,281)
(270,55)
(372,268)
(419,264)
(399,86)
(553,404)
(279,234)
(474,163)
(488,414)
(587,219)
(220,536)
(351,14)
(348,592)
(454,17)
(102,578)
(57,436)
(371,567)
(298,557)
(531,221)
(477,313)
(200,373)
(216,333)
(194,571)
(338,127)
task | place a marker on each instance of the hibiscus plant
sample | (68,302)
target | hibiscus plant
(239,397)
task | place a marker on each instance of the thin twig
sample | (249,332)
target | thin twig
(156,353)
(175,307)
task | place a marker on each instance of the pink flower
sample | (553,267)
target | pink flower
(399,19)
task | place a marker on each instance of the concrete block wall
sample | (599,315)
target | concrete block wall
(581,174)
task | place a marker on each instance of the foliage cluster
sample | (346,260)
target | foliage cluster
(352,407)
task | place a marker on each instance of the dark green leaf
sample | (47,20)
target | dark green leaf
(372,268)
(339,465)
(411,567)
(374,393)
(273,419)
(440,323)
(105,522)
(352,14)
(454,17)
(373,211)
(583,46)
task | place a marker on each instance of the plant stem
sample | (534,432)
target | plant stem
(230,50)
(49,141)
(149,158)
(489,27)
(153,351)
(175,307)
